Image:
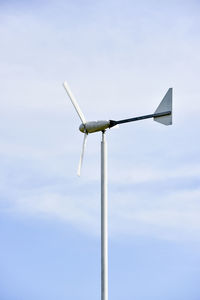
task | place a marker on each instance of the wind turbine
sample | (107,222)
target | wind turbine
(163,115)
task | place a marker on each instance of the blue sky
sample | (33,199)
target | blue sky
(120,58)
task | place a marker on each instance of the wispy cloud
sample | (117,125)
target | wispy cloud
(166,212)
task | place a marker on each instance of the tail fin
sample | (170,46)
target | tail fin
(165,106)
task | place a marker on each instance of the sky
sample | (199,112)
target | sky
(119,58)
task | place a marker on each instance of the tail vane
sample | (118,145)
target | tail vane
(165,106)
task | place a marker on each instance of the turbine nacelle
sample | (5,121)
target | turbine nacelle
(94,126)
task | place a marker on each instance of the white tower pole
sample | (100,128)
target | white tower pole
(104,222)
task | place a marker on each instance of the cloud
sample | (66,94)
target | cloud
(161,205)
(174,217)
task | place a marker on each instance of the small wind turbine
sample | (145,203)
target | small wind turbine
(163,115)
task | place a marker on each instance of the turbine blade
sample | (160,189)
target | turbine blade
(74,102)
(82,154)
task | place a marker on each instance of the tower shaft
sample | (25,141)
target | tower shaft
(104,221)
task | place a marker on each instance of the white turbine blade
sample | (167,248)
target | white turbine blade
(82,154)
(74,102)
